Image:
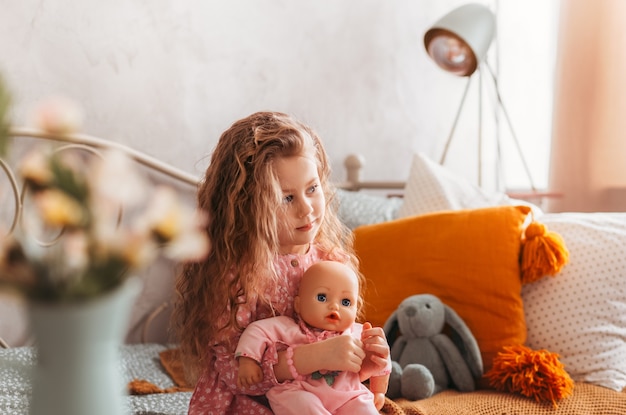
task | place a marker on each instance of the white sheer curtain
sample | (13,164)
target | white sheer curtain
(588,157)
(523,58)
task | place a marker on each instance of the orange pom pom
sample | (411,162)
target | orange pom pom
(142,387)
(535,374)
(543,253)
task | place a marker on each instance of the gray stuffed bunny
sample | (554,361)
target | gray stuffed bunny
(424,360)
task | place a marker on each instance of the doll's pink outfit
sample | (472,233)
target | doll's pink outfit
(319,393)
(216,392)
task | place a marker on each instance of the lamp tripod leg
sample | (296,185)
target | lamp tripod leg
(508,121)
(456,120)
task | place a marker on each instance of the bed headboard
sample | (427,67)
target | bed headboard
(354,164)
(184,181)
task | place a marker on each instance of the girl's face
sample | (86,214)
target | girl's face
(303,205)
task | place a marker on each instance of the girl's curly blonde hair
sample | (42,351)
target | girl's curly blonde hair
(241,195)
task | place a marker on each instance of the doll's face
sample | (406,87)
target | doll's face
(328,296)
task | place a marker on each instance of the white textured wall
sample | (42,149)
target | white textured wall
(167,77)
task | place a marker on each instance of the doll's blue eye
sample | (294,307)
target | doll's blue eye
(346,302)
(321,298)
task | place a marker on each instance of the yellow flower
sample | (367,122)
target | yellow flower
(191,246)
(139,252)
(176,226)
(165,217)
(57,209)
(35,169)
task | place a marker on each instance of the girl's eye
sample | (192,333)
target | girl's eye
(346,302)
(321,298)
(288,199)
(313,188)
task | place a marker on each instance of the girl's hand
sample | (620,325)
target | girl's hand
(376,351)
(343,353)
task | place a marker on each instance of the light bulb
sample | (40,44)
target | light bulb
(452,54)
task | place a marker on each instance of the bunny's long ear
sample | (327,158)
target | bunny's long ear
(391,328)
(465,341)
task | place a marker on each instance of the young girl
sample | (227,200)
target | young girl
(266,192)
(326,306)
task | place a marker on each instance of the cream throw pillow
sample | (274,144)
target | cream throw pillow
(581,312)
(432,188)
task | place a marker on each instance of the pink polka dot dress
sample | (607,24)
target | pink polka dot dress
(216,392)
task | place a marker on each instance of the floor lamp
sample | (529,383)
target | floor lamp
(458,43)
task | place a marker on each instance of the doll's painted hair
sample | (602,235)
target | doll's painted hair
(241,194)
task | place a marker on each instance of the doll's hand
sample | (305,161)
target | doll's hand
(250,373)
(376,351)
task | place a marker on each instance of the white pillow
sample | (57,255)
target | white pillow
(581,312)
(431,188)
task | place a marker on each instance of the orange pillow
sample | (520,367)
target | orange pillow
(467,258)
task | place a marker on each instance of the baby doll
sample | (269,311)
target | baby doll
(326,306)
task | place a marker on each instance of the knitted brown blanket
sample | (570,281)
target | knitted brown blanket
(587,399)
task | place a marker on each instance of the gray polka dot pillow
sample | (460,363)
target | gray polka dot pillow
(357,208)
(581,312)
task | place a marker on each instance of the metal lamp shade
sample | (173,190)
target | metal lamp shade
(459,40)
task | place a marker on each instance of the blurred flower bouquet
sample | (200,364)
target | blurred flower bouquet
(103,219)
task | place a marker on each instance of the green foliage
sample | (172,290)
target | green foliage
(5,125)
(68,180)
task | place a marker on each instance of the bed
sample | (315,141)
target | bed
(580,313)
